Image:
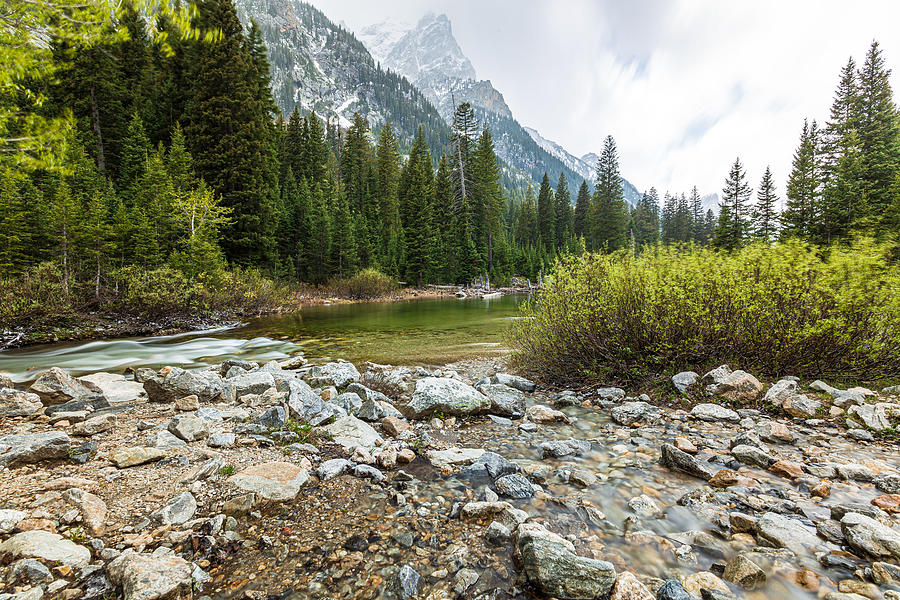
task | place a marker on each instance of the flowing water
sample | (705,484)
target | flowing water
(413,332)
(683,538)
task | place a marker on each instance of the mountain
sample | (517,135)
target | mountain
(318,65)
(430,57)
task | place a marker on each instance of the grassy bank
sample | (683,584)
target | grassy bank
(41,306)
(788,309)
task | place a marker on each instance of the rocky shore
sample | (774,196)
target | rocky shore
(290,480)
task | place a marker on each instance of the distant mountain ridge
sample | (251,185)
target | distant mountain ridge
(318,65)
(430,57)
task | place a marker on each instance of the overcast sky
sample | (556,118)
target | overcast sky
(684,86)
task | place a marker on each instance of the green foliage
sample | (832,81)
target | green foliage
(790,308)
(368,284)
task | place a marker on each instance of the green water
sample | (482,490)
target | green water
(411,332)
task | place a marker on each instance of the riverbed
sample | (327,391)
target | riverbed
(415,332)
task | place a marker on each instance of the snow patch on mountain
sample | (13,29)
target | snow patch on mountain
(381,38)
(585,169)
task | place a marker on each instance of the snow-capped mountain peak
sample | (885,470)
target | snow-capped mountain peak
(429,51)
(381,38)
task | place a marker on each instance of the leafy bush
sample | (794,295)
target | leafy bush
(788,309)
(368,284)
(156,292)
(36,296)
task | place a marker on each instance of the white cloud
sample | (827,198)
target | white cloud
(684,86)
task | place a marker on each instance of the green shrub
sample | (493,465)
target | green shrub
(37,296)
(368,284)
(156,292)
(788,309)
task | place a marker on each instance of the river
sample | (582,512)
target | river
(411,332)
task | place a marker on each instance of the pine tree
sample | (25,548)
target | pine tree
(178,162)
(840,206)
(765,212)
(230,133)
(731,229)
(63,224)
(696,206)
(444,217)
(14,240)
(546,214)
(414,194)
(610,214)
(878,128)
(487,201)
(801,212)
(526,229)
(644,220)
(387,171)
(582,207)
(135,149)
(464,131)
(95,235)
(564,215)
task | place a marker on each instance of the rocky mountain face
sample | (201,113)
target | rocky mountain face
(318,65)
(430,57)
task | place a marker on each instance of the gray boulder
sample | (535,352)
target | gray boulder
(339,374)
(221,440)
(175,382)
(32,448)
(780,391)
(785,532)
(489,465)
(611,394)
(303,403)
(801,406)
(737,386)
(842,398)
(875,416)
(9,518)
(407,583)
(272,418)
(561,448)
(366,393)
(245,383)
(445,395)
(47,547)
(673,458)
(58,387)
(506,401)
(514,485)
(351,433)
(631,412)
(177,510)
(550,564)
(684,380)
(513,381)
(333,467)
(14,403)
(866,535)
(714,412)
(751,455)
(188,427)
(151,576)
(277,481)
(115,387)
(349,401)
(376,410)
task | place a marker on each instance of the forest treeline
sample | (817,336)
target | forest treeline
(179,166)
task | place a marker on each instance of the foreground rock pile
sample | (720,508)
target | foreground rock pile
(290,480)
